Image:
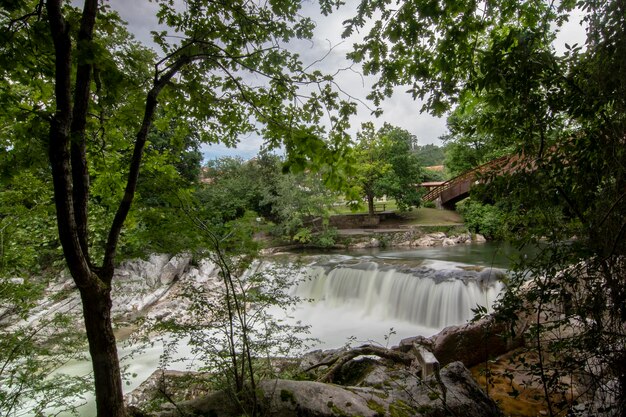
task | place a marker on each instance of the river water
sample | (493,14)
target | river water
(376,296)
(382,296)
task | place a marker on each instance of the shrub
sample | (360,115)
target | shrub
(485,219)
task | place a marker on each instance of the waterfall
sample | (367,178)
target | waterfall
(424,296)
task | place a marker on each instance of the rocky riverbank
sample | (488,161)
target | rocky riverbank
(417,384)
(411,238)
(406,380)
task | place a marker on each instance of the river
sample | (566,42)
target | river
(382,296)
(376,295)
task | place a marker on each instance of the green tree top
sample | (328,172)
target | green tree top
(386,166)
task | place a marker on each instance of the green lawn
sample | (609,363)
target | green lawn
(420,216)
(432,217)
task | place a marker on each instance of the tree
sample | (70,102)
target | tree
(206,75)
(296,205)
(385,166)
(563,115)
(429,154)
(230,329)
(471,141)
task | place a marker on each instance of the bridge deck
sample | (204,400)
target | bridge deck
(454,189)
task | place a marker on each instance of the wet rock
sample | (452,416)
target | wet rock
(472,343)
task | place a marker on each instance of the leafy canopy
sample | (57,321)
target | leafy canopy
(386,166)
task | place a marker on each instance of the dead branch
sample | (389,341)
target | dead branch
(336,362)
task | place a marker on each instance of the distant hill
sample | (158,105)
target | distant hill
(430,155)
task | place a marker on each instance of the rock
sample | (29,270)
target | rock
(407,344)
(479,238)
(425,241)
(472,343)
(449,242)
(179,386)
(490,275)
(434,239)
(371,243)
(426,359)
(306,398)
(312,358)
(174,268)
(462,395)
(451,391)
(216,404)
(148,271)
(376,377)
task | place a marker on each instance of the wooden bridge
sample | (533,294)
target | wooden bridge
(456,189)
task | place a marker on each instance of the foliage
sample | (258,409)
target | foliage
(386,166)
(433,175)
(296,204)
(472,139)
(429,154)
(562,116)
(233,328)
(485,219)
(29,384)
(75,84)
(27,231)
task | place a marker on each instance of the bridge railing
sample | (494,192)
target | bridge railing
(498,163)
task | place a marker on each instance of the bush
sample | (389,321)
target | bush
(485,219)
(326,238)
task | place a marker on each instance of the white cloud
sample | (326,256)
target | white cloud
(400,110)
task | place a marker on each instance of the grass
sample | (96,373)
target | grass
(431,217)
(418,217)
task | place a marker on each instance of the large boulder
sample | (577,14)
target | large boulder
(471,343)
(451,391)
(139,284)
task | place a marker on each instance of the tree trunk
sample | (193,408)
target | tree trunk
(370,204)
(103,350)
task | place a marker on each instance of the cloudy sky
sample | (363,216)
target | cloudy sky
(400,110)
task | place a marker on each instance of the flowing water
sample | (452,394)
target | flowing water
(384,296)
(379,296)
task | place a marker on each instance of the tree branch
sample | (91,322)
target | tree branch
(336,362)
(80,171)
(58,147)
(135,163)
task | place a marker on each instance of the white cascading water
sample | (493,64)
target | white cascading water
(427,297)
(362,299)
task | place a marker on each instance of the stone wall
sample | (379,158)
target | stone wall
(359,220)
